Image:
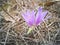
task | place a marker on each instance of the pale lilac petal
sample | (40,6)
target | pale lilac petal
(43,15)
(32,18)
(29,17)
(24,16)
(38,16)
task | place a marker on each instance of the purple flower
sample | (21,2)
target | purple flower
(32,18)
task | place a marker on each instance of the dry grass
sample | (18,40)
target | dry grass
(13,28)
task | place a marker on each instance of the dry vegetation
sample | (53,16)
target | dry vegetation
(13,28)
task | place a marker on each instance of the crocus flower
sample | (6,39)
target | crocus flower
(33,18)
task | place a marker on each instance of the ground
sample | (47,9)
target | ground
(13,28)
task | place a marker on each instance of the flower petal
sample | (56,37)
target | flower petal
(43,15)
(38,16)
(29,17)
